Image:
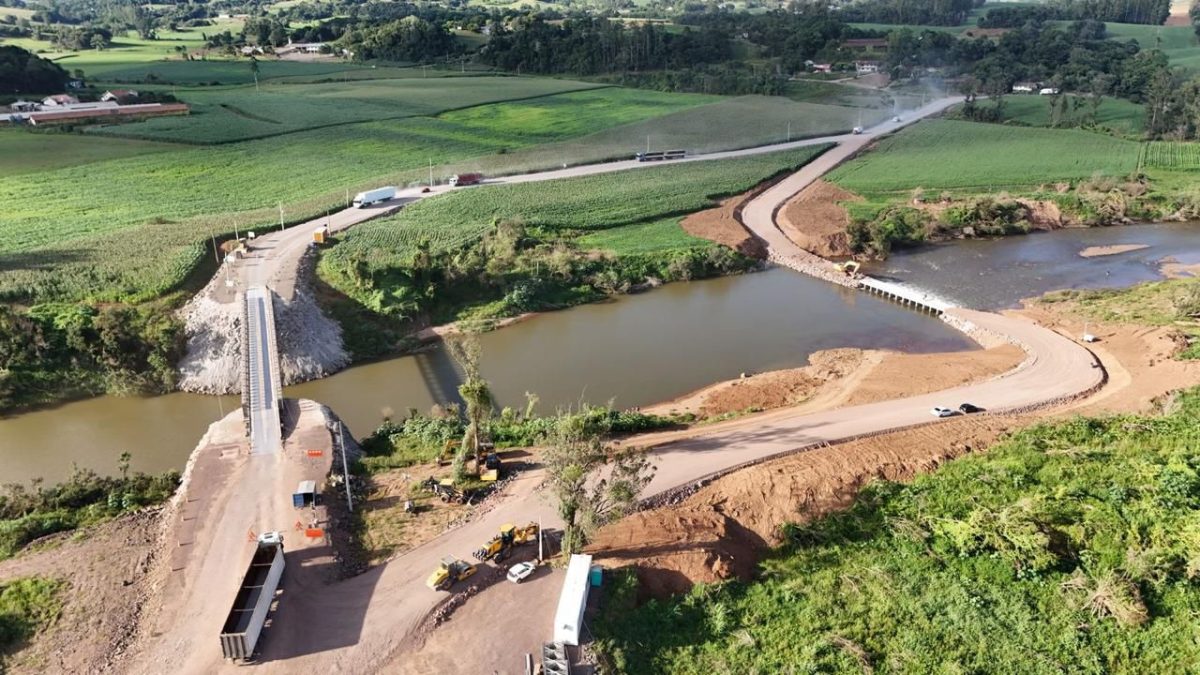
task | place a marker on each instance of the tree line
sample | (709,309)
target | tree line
(24,72)
(1152,12)
(919,12)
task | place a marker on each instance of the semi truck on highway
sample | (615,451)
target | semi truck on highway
(374,196)
(243,626)
(460,179)
(660,156)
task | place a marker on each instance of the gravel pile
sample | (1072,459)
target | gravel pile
(213,364)
(310,343)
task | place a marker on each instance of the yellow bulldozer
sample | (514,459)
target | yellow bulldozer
(501,545)
(448,573)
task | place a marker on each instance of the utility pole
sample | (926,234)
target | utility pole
(647,143)
(347,197)
(216,255)
(430,173)
(541,555)
(789,136)
(236,236)
(281,216)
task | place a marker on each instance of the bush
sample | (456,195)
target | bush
(27,606)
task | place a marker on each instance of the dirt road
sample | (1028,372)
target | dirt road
(358,626)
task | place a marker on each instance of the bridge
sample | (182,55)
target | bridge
(262,390)
(905,295)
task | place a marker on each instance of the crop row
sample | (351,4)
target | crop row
(1171,155)
(587,203)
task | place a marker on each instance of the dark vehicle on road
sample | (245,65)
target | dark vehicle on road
(968,408)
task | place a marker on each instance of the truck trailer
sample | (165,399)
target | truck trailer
(244,624)
(460,179)
(374,196)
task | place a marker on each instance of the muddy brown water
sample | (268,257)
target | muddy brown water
(633,351)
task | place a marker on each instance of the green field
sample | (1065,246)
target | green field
(945,154)
(1177,42)
(584,204)
(1068,548)
(1171,155)
(23,152)
(222,115)
(1122,116)
(655,236)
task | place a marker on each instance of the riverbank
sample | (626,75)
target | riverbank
(721,530)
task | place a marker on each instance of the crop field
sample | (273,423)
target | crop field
(24,152)
(1179,43)
(1171,155)
(937,154)
(241,113)
(584,204)
(1117,114)
(570,115)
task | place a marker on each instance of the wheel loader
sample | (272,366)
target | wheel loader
(448,573)
(501,545)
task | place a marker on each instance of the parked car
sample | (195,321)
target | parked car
(857,130)
(521,571)
(942,412)
(968,408)
(896,118)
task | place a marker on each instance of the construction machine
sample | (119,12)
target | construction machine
(849,268)
(501,545)
(448,573)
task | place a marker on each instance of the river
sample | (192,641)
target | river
(997,274)
(634,351)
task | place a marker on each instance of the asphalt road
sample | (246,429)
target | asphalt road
(357,625)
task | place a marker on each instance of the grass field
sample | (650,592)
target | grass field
(586,204)
(222,115)
(945,154)
(1068,548)
(1122,116)
(22,152)
(1177,42)
(655,236)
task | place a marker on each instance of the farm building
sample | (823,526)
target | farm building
(23,106)
(307,47)
(119,95)
(866,67)
(102,112)
(1025,87)
(866,44)
(1048,91)
(59,101)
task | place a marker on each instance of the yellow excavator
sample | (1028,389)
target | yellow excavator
(501,545)
(448,573)
(849,268)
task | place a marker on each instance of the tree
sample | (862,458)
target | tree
(477,395)
(591,484)
(254,71)
(123,465)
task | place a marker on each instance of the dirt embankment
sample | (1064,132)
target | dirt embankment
(722,225)
(837,377)
(106,570)
(310,343)
(721,530)
(816,220)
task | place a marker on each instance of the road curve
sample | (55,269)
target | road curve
(356,626)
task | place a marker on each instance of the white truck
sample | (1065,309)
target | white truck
(374,196)
(244,624)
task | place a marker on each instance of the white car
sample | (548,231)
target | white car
(942,412)
(521,571)
(857,130)
(896,118)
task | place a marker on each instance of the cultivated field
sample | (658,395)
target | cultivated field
(647,197)
(655,236)
(245,112)
(1171,155)
(936,154)
(22,152)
